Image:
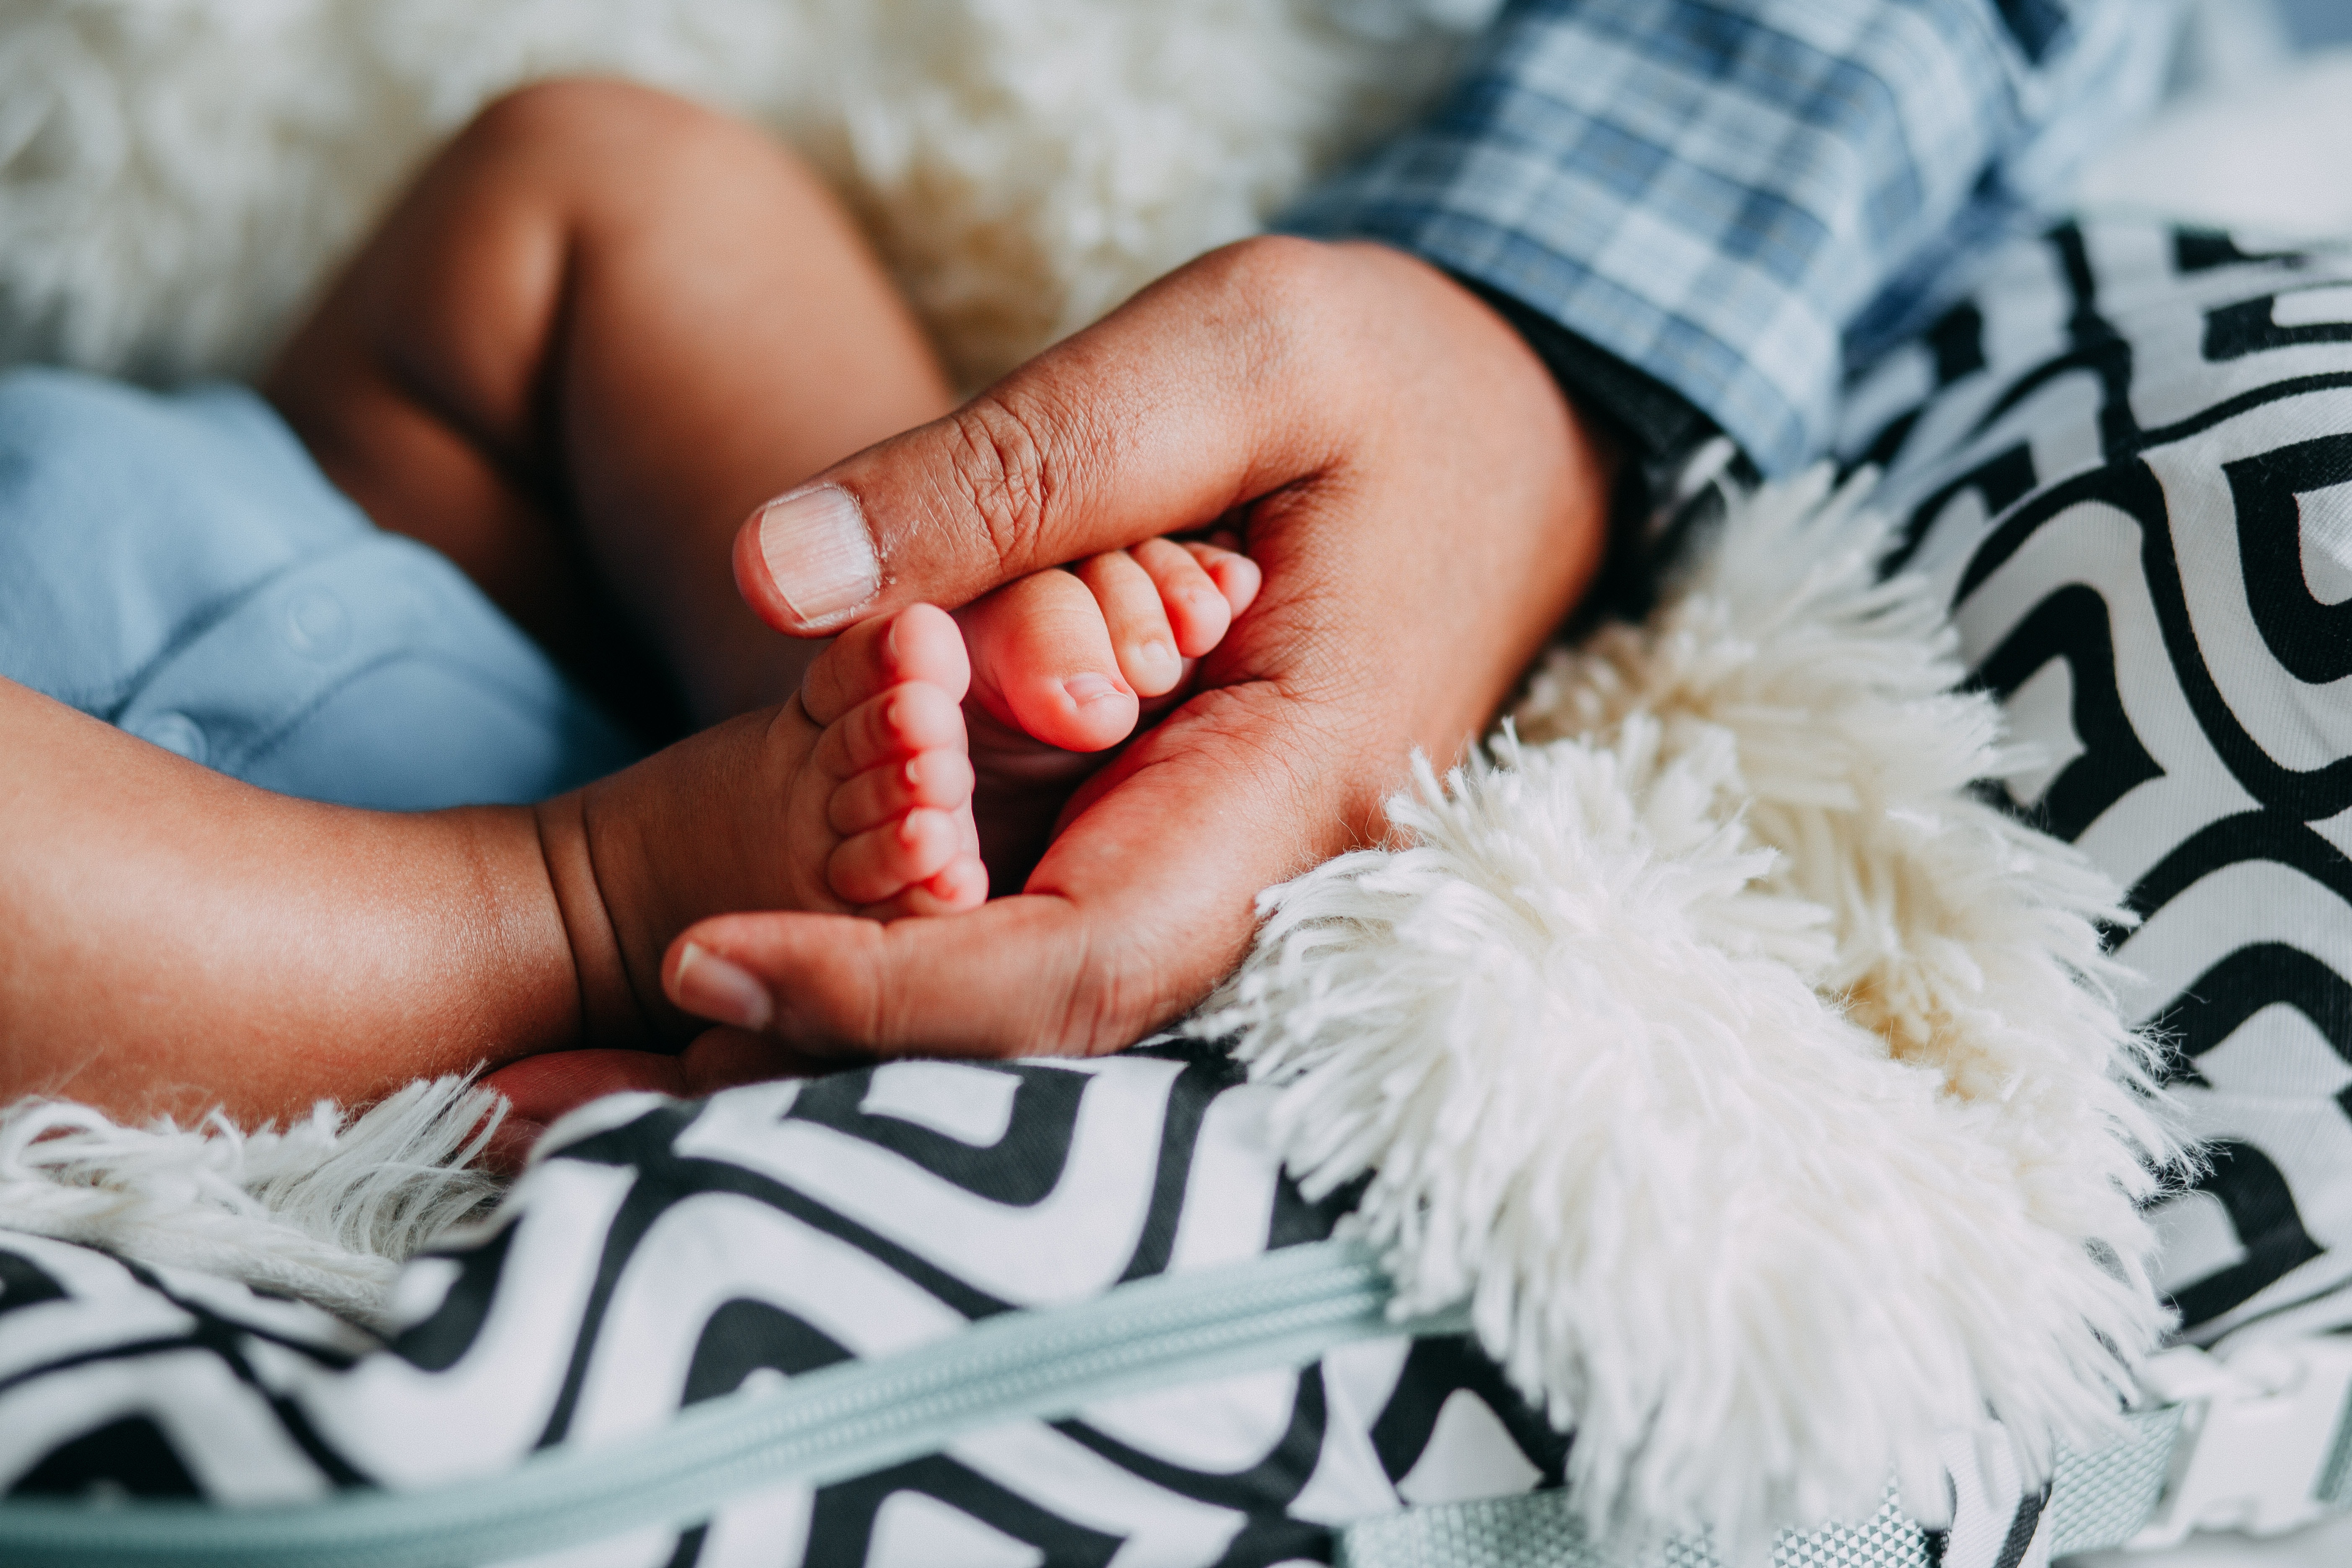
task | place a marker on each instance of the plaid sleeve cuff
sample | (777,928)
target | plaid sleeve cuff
(1714,192)
(1654,423)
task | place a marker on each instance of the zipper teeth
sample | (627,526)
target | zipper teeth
(1022,1365)
(993,1377)
(927,1400)
(1098,1350)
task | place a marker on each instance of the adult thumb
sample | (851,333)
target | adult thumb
(1177,408)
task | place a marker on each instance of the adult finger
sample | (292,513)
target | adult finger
(1174,410)
(541,1088)
(834,982)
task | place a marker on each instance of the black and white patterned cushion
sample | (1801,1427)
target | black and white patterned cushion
(685,1250)
(2128,459)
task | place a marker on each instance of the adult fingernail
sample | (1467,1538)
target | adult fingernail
(1086,689)
(711,987)
(819,552)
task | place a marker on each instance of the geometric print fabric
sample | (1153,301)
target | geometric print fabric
(676,1252)
(2126,459)
(672,1253)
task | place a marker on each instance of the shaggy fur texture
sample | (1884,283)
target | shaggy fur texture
(325,1210)
(1761,1088)
(176,176)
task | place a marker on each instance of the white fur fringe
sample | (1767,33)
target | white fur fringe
(1760,1088)
(325,1211)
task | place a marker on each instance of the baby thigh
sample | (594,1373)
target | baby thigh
(602,326)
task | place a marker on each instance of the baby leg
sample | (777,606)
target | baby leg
(602,325)
(856,797)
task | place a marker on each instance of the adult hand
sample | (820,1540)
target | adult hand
(1425,506)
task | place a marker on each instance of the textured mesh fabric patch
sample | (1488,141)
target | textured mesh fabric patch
(2100,1500)
(1888,1538)
(1538,1530)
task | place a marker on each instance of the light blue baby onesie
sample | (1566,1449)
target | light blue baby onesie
(177,566)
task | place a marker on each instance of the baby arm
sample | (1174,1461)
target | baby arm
(173,939)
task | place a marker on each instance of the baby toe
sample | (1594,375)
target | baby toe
(902,723)
(941,780)
(1136,620)
(919,644)
(1043,663)
(961,885)
(1194,609)
(883,862)
(1238,578)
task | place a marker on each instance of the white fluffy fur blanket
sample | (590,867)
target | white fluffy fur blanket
(1759,1085)
(177,175)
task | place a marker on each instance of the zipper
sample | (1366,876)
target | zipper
(1284,1307)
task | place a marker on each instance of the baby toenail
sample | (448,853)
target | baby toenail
(1086,689)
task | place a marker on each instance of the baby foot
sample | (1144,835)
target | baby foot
(862,796)
(853,798)
(1050,669)
(858,796)
(1068,658)
(892,766)
(1065,664)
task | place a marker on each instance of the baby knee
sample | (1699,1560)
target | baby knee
(603,129)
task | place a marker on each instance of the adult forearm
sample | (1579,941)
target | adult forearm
(172,939)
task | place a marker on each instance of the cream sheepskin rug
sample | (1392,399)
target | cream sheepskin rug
(1760,1088)
(177,176)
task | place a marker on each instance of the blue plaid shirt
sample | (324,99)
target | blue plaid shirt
(1739,198)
